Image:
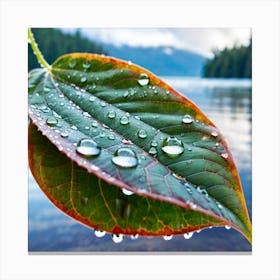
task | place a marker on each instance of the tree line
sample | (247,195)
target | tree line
(233,62)
(53,43)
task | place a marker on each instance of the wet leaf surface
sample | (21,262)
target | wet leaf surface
(119,150)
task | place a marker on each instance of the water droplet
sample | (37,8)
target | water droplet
(92,98)
(103,104)
(172,147)
(187,119)
(227,227)
(51,121)
(99,233)
(134,237)
(137,118)
(46,89)
(125,157)
(219,205)
(224,155)
(124,120)
(214,133)
(188,235)
(154,143)
(189,190)
(102,134)
(64,134)
(167,237)
(153,151)
(72,63)
(87,127)
(94,124)
(88,148)
(86,65)
(74,127)
(125,94)
(143,79)
(111,114)
(127,192)
(117,238)
(83,79)
(111,136)
(142,133)
(86,114)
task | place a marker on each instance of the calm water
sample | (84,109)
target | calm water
(228,104)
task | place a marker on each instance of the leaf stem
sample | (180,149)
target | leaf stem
(37,52)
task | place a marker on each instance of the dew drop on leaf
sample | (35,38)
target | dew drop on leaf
(94,124)
(224,155)
(92,98)
(64,134)
(74,127)
(83,79)
(46,89)
(187,119)
(214,133)
(125,157)
(86,65)
(72,63)
(188,235)
(143,79)
(111,136)
(88,148)
(117,238)
(153,151)
(51,121)
(134,237)
(167,237)
(111,114)
(154,143)
(127,192)
(124,120)
(227,227)
(99,233)
(142,133)
(172,147)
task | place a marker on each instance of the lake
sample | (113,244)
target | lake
(228,103)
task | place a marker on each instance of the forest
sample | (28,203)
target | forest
(53,43)
(233,62)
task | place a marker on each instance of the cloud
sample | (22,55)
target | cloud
(199,40)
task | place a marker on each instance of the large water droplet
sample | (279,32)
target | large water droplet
(127,192)
(124,120)
(143,79)
(142,133)
(188,235)
(172,147)
(51,121)
(125,157)
(99,233)
(111,114)
(88,148)
(167,237)
(117,238)
(187,119)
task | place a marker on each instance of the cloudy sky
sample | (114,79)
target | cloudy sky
(200,40)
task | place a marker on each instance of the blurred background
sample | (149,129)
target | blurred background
(211,67)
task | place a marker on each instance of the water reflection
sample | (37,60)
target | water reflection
(228,104)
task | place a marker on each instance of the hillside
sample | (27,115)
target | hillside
(162,61)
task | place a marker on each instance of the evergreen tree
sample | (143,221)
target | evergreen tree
(53,43)
(230,63)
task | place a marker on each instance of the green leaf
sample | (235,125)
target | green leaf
(107,125)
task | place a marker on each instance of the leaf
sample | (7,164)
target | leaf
(107,125)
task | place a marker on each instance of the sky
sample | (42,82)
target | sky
(199,40)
